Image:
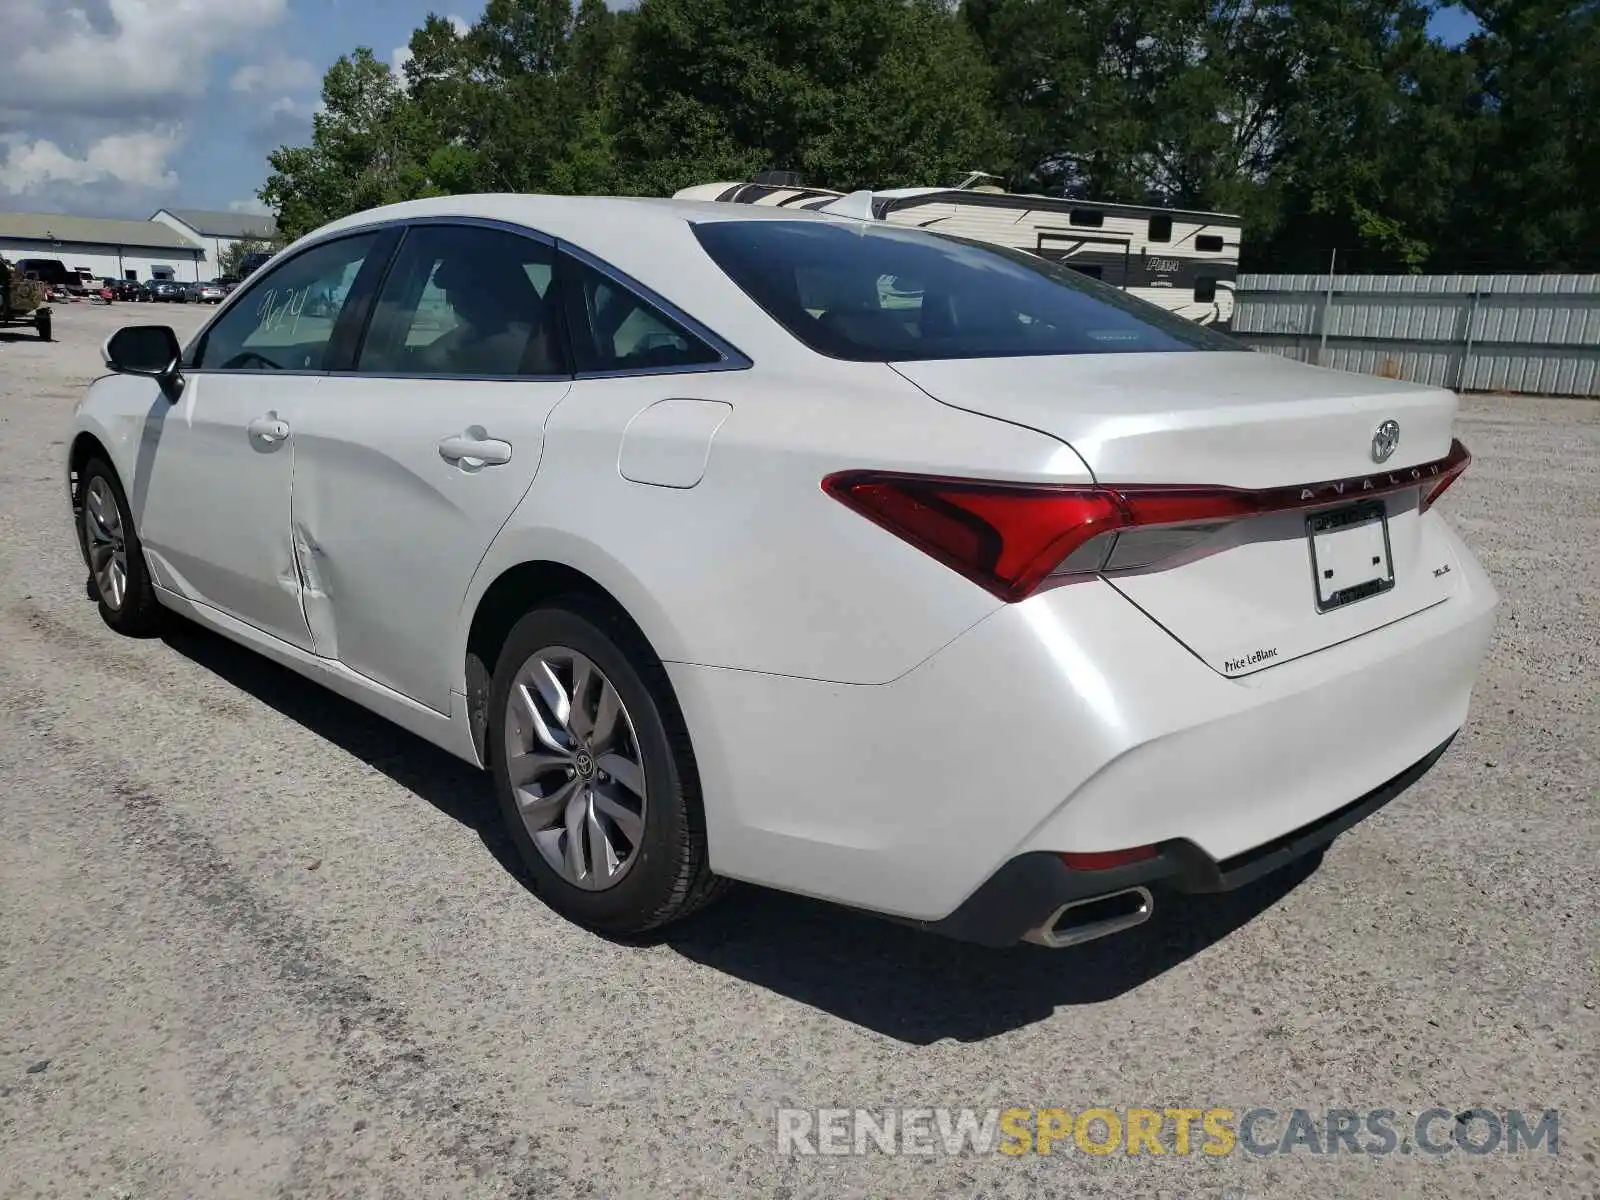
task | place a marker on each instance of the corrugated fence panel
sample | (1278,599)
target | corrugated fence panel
(1516,333)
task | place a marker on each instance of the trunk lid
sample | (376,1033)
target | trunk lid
(1260,591)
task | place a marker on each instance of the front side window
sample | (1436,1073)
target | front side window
(286,320)
(873,293)
(467,300)
(613,329)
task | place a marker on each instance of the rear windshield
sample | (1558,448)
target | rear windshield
(872,293)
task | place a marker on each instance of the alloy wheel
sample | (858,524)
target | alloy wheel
(575,768)
(108,548)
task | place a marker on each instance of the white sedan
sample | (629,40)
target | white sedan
(920,575)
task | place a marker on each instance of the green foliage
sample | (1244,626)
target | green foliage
(1323,123)
(230,261)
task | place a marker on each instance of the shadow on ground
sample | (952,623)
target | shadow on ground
(912,986)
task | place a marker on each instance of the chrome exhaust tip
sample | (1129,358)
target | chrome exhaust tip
(1098,917)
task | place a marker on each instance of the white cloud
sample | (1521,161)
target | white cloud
(138,160)
(276,74)
(96,96)
(124,58)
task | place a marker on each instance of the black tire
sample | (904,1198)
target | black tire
(42,324)
(140,613)
(670,876)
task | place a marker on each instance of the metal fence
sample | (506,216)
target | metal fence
(1537,334)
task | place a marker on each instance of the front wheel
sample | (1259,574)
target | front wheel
(118,577)
(594,773)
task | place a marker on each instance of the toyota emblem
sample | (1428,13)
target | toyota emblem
(1385,440)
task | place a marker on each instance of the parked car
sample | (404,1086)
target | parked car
(126,289)
(169,290)
(208,293)
(1000,612)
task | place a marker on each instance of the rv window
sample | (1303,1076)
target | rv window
(1208,241)
(879,294)
(1205,289)
(1160,228)
(1087,216)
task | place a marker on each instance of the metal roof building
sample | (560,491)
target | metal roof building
(214,232)
(104,248)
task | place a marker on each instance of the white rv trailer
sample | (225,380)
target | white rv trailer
(1184,261)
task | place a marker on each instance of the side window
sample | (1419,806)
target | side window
(615,330)
(1160,227)
(1209,242)
(286,320)
(467,300)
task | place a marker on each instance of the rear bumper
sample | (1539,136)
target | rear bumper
(1069,722)
(1024,893)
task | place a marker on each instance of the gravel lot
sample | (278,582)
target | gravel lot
(255,942)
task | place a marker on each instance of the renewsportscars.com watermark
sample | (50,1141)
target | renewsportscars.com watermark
(1165,1131)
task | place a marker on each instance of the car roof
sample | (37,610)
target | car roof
(649,239)
(570,217)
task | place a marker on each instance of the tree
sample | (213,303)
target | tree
(369,146)
(853,93)
(230,263)
(1322,123)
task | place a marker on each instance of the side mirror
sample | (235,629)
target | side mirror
(151,350)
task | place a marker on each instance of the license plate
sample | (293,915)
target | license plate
(1350,556)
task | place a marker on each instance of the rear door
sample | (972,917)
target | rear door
(412,458)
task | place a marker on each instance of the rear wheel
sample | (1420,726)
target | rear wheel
(118,577)
(594,773)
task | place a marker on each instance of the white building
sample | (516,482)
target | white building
(214,232)
(103,249)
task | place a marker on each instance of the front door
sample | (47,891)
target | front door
(216,467)
(407,466)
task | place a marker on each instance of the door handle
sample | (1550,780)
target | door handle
(268,428)
(471,452)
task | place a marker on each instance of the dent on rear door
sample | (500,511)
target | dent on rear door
(387,532)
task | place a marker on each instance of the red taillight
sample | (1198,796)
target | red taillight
(1005,537)
(1450,469)
(1104,860)
(1009,537)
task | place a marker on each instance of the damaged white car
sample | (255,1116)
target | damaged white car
(914,573)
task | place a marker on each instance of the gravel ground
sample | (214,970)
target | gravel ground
(255,942)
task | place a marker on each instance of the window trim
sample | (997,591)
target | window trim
(732,358)
(350,367)
(382,252)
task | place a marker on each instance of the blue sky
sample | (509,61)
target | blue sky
(119,107)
